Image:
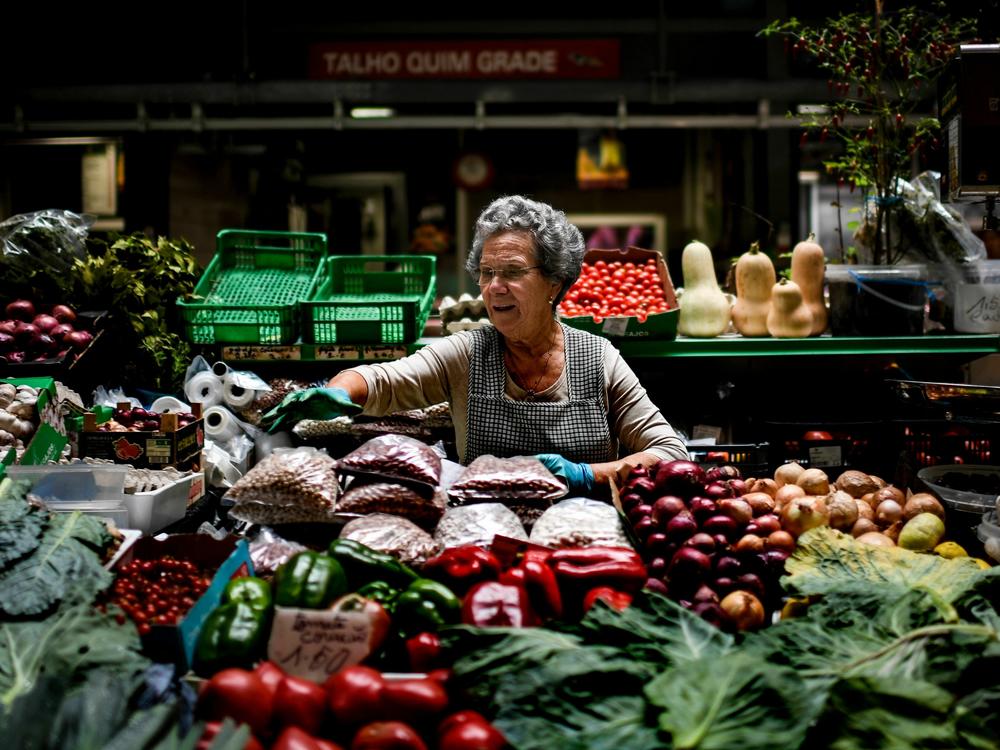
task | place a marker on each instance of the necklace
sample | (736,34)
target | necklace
(533,390)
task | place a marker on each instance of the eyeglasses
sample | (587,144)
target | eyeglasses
(513,273)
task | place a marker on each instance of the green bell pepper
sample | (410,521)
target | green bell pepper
(364,565)
(425,606)
(309,580)
(235,633)
(381,592)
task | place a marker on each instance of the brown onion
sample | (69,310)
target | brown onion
(855,483)
(863,526)
(922,502)
(760,502)
(804,513)
(814,482)
(750,543)
(876,539)
(787,473)
(781,540)
(888,512)
(865,510)
(879,481)
(768,486)
(743,610)
(843,510)
(889,493)
(737,509)
(786,493)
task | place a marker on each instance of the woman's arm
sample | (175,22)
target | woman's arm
(617,471)
(353,383)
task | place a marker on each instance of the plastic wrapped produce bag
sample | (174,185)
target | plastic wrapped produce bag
(477,524)
(394,536)
(579,522)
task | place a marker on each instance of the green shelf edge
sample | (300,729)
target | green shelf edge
(723,346)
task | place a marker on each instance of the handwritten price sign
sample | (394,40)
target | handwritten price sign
(977,308)
(315,643)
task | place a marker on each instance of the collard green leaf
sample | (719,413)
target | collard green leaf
(602,723)
(734,702)
(656,630)
(978,718)
(69,643)
(886,714)
(826,560)
(62,568)
(20,536)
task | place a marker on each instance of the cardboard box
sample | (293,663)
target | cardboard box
(657,326)
(229,557)
(180,448)
(50,438)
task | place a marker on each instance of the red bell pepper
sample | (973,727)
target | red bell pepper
(354,694)
(615,599)
(239,694)
(300,703)
(580,569)
(539,582)
(387,735)
(294,738)
(494,604)
(424,650)
(413,700)
(460,568)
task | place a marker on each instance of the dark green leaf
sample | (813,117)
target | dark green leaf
(655,630)
(68,643)
(20,536)
(61,568)
(734,702)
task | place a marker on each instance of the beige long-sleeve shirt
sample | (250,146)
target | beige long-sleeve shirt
(440,372)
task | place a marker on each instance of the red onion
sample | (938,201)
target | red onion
(752,583)
(643,527)
(79,340)
(24,332)
(681,527)
(652,584)
(710,612)
(718,490)
(21,309)
(767,524)
(656,543)
(726,471)
(41,342)
(683,478)
(45,322)
(689,566)
(63,313)
(665,508)
(721,525)
(703,507)
(705,594)
(6,342)
(728,566)
(639,512)
(8,327)
(60,331)
(702,542)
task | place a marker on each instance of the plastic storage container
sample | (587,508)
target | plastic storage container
(151,511)
(370,299)
(96,490)
(976,297)
(943,480)
(251,290)
(877,300)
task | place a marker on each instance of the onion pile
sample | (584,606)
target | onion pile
(30,336)
(704,537)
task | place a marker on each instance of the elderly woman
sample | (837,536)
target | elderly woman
(527,384)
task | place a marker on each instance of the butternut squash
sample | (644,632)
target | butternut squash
(705,310)
(808,264)
(789,317)
(754,278)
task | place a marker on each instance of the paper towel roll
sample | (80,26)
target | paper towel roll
(169,404)
(220,369)
(236,396)
(220,424)
(205,388)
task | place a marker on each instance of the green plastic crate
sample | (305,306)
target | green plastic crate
(370,299)
(250,292)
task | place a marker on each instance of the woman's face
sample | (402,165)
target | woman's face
(519,308)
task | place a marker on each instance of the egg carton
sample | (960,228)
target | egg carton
(466,306)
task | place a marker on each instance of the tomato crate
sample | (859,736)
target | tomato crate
(251,290)
(831,446)
(661,326)
(370,299)
(750,458)
(918,443)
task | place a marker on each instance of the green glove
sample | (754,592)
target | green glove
(309,403)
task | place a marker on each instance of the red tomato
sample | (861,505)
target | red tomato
(212,729)
(413,699)
(271,675)
(293,738)
(240,695)
(354,694)
(299,703)
(817,435)
(387,735)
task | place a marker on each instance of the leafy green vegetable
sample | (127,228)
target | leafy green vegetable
(69,643)
(736,701)
(826,560)
(19,534)
(63,567)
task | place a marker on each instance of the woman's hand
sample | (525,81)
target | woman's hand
(579,478)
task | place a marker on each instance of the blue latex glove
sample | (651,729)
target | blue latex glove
(309,403)
(578,477)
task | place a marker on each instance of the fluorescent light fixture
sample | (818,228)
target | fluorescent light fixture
(371,113)
(808,176)
(812,109)
(67,141)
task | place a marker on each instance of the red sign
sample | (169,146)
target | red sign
(523,58)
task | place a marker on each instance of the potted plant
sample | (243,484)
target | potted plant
(881,69)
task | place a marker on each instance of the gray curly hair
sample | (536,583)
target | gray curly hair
(558,244)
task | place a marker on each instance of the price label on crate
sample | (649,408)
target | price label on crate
(336,352)
(614,326)
(313,644)
(254,352)
(825,456)
(384,352)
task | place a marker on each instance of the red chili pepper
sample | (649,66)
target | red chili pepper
(424,651)
(539,582)
(460,568)
(494,604)
(615,599)
(299,703)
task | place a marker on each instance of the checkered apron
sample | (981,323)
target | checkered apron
(576,429)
